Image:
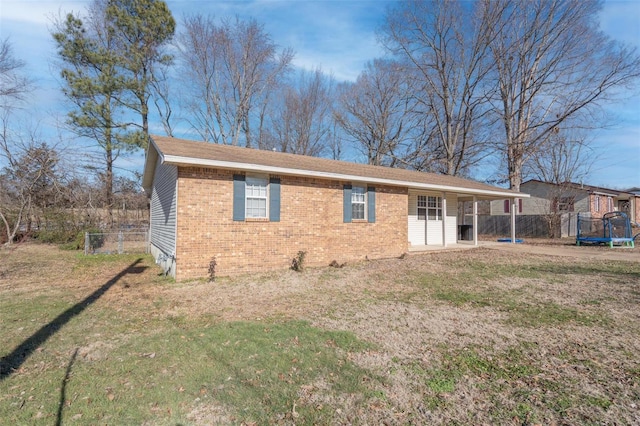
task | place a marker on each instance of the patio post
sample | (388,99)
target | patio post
(514,206)
(444,219)
(475,221)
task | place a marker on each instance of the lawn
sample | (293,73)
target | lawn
(475,337)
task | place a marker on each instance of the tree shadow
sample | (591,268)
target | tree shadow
(10,363)
(63,388)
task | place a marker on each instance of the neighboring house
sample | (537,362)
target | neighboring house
(242,210)
(548,198)
(634,191)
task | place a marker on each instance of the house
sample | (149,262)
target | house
(242,210)
(549,198)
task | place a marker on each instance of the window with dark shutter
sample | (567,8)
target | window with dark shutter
(371,204)
(238,197)
(346,203)
(274,200)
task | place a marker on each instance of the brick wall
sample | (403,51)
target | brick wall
(311,220)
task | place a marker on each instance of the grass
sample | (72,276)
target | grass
(107,340)
(472,285)
(256,368)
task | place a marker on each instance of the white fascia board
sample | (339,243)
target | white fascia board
(608,194)
(188,161)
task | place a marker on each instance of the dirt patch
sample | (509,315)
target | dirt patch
(569,249)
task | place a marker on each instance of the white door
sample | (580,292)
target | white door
(417,221)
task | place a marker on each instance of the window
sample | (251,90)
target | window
(429,208)
(434,208)
(610,204)
(358,201)
(256,197)
(507,206)
(565,204)
(596,203)
(422,207)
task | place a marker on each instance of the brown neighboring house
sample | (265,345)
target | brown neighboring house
(570,197)
(242,210)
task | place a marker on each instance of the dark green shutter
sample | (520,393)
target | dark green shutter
(371,204)
(238,198)
(274,200)
(347,204)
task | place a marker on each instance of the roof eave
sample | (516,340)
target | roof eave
(150,162)
(190,161)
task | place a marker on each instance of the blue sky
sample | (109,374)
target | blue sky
(336,35)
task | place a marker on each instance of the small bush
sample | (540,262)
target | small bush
(212,269)
(54,236)
(297,264)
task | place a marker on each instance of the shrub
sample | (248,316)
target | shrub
(297,264)
(212,269)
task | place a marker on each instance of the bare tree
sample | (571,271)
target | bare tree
(30,178)
(13,84)
(565,157)
(444,45)
(375,112)
(302,123)
(551,65)
(232,68)
(564,161)
(162,98)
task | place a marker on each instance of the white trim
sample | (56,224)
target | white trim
(443,206)
(514,209)
(475,221)
(365,202)
(247,197)
(179,160)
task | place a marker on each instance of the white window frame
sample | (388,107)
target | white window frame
(358,197)
(251,184)
(434,207)
(596,203)
(421,207)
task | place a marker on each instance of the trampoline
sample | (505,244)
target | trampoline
(613,229)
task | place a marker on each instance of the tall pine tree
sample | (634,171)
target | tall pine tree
(108,63)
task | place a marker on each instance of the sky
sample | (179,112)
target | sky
(338,36)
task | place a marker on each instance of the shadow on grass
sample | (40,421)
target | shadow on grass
(10,363)
(63,388)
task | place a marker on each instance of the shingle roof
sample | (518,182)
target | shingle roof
(184,152)
(585,187)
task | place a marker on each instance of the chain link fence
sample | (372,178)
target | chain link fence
(116,242)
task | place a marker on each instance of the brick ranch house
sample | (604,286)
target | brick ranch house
(252,210)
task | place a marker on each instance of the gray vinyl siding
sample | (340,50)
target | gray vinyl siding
(163,209)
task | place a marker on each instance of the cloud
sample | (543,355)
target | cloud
(334,35)
(37,12)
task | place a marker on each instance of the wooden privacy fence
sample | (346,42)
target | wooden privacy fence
(532,226)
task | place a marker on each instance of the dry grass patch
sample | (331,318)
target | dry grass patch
(475,337)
